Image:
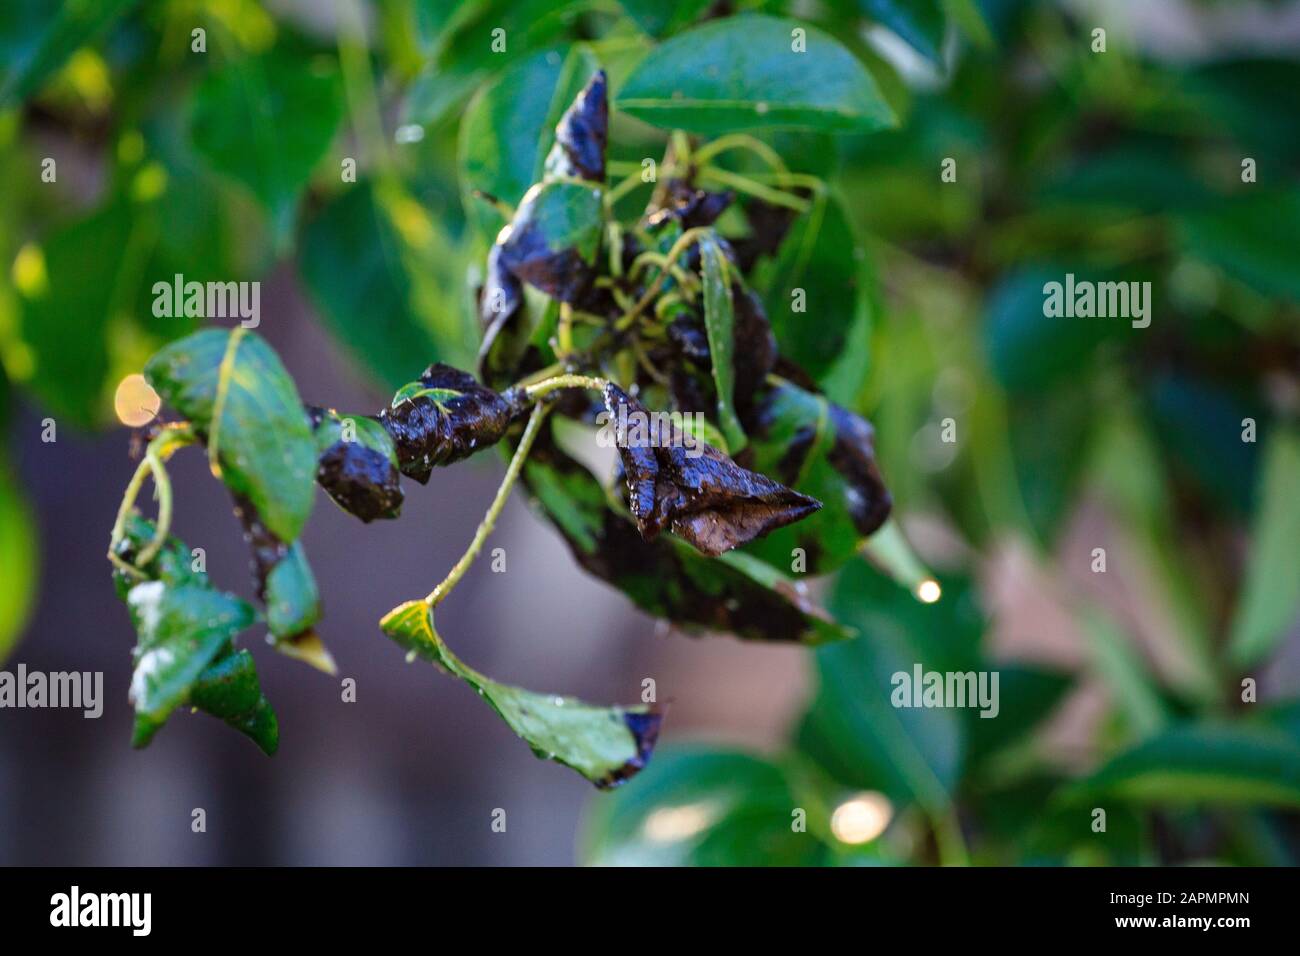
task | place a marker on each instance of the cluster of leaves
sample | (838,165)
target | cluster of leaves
(661,307)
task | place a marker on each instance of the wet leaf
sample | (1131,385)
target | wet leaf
(607,745)
(742,73)
(582,135)
(720,323)
(552,241)
(181,631)
(429,433)
(678,483)
(667,577)
(826,452)
(361,475)
(184,653)
(229,689)
(243,403)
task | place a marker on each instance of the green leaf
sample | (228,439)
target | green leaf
(1030,350)
(292,599)
(853,730)
(919,22)
(184,652)
(18,557)
(267,122)
(819,257)
(1271,592)
(700,807)
(552,241)
(742,73)
(377,267)
(68,302)
(417,389)
(464,55)
(607,745)
(798,445)
(229,689)
(234,390)
(661,19)
(1026,696)
(508,128)
(36,37)
(719,322)
(1256,240)
(1204,764)
(181,630)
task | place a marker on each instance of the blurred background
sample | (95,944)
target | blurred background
(1015,445)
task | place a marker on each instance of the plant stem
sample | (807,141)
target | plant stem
(746,185)
(684,242)
(742,141)
(489,521)
(545,387)
(155,456)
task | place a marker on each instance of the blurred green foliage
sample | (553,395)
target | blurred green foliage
(233,162)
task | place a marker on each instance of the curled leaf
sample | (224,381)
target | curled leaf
(229,689)
(581,135)
(429,433)
(820,449)
(239,398)
(552,241)
(667,577)
(357,464)
(287,587)
(678,482)
(607,745)
(184,652)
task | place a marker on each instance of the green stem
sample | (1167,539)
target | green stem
(489,521)
(684,242)
(746,185)
(155,456)
(544,388)
(742,141)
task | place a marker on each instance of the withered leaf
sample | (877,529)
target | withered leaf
(428,434)
(678,482)
(358,470)
(581,135)
(667,577)
(552,241)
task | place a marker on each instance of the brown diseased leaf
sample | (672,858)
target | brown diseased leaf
(430,432)
(685,485)
(581,135)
